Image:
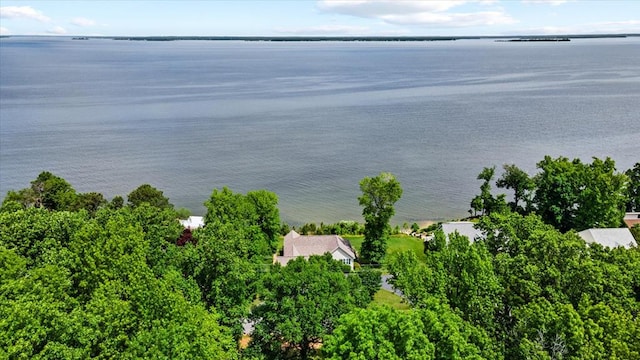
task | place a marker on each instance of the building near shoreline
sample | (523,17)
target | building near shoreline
(192,222)
(464,228)
(631,219)
(609,237)
(296,245)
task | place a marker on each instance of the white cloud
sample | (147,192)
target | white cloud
(451,19)
(22,12)
(80,21)
(377,8)
(440,13)
(611,27)
(548,2)
(57,30)
(4,31)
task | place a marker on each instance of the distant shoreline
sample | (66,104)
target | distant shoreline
(363,38)
(515,38)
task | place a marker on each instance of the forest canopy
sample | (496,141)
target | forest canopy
(84,277)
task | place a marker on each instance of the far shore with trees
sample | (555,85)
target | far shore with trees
(86,277)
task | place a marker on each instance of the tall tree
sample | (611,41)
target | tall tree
(379,194)
(379,333)
(486,203)
(574,195)
(302,302)
(267,215)
(633,188)
(148,194)
(52,192)
(522,185)
(256,214)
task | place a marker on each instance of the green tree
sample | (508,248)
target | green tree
(91,202)
(117,202)
(52,192)
(25,198)
(371,280)
(226,271)
(379,333)
(486,203)
(75,287)
(379,194)
(431,332)
(256,214)
(633,188)
(635,231)
(522,185)
(148,194)
(302,302)
(574,195)
(267,215)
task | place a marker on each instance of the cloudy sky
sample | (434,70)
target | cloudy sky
(322,17)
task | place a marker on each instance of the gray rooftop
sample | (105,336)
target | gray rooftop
(609,237)
(464,228)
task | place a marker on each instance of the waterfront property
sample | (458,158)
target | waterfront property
(609,237)
(631,219)
(464,228)
(192,222)
(296,245)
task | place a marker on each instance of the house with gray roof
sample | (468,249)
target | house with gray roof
(296,245)
(609,237)
(464,228)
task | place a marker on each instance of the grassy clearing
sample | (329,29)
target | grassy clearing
(385,297)
(397,243)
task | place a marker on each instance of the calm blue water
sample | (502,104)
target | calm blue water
(309,120)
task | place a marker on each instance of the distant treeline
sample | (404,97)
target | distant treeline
(356,38)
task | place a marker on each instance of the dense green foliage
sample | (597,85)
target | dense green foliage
(633,188)
(486,203)
(75,287)
(81,277)
(538,293)
(148,194)
(301,303)
(54,193)
(565,194)
(379,194)
(255,214)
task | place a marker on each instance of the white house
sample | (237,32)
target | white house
(609,237)
(296,245)
(192,222)
(464,228)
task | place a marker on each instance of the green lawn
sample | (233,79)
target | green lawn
(397,243)
(385,297)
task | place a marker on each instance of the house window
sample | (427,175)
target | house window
(346,261)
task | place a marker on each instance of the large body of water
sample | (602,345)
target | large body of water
(310,120)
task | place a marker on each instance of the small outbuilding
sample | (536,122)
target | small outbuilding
(464,228)
(192,222)
(609,237)
(296,245)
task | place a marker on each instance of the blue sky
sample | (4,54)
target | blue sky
(322,17)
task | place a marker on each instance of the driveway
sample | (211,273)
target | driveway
(387,285)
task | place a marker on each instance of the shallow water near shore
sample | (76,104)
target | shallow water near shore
(309,120)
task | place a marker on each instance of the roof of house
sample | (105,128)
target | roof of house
(631,219)
(609,237)
(464,228)
(306,245)
(192,222)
